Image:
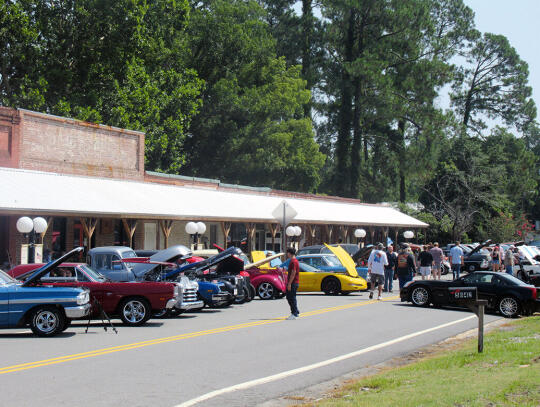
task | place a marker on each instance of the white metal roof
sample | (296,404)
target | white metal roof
(25,191)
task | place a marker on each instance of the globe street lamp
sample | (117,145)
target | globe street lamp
(360,234)
(195,229)
(293,232)
(408,234)
(29,228)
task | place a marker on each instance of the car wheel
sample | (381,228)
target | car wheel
(164,313)
(266,291)
(445,270)
(247,295)
(509,307)
(252,291)
(47,321)
(67,324)
(134,311)
(331,286)
(420,296)
(471,268)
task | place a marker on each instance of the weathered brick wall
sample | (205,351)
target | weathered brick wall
(9,137)
(57,144)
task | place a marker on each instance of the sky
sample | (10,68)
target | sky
(519,21)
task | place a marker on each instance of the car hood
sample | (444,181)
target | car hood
(345,259)
(51,265)
(218,259)
(480,246)
(170,254)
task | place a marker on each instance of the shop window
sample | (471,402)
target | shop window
(58,239)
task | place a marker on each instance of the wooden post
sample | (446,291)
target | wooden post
(328,229)
(274,228)
(89,226)
(129,226)
(312,231)
(226,229)
(49,222)
(385,237)
(372,235)
(166,227)
(480,328)
(396,235)
(250,229)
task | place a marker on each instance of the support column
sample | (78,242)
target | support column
(385,235)
(89,227)
(226,229)
(396,236)
(372,235)
(328,229)
(129,226)
(250,229)
(312,231)
(274,228)
(166,227)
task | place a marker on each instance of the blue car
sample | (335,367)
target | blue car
(47,310)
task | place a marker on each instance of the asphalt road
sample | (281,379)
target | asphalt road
(170,362)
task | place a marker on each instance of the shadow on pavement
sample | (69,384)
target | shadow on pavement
(444,308)
(31,335)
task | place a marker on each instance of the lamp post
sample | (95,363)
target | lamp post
(29,228)
(293,232)
(408,234)
(360,234)
(195,229)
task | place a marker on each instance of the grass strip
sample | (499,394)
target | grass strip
(506,374)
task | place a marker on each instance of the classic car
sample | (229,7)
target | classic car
(504,293)
(120,263)
(331,283)
(133,302)
(350,248)
(269,282)
(476,258)
(47,310)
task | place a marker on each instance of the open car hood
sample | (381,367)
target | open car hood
(51,265)
(226,256)
(260,260)
(345,259)
(169,255)
(480,246)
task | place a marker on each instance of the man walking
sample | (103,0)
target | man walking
(456,259)
(438,257)
(389,270)
(376,263)
(426,262)
(509,260)
(293,278)
(406,265)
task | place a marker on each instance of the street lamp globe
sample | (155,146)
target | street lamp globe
(25,225)
(191,228)
(297,230)
(290,231)
(40,225)
(359,233)
(408,234)
(201,228)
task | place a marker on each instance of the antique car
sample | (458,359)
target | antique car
(47,310)
(120,263)
(269,282)
(331,283)
(504,293)
(476,258)
(133,302)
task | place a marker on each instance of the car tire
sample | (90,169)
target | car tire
(67,324)
(509,307)
(47,321)
(134,311)
(471,268)
(266,291)
(420,296)
(331,286)
(252,291)
(445,270)
(247,294)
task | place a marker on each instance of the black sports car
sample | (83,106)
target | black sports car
(506,294)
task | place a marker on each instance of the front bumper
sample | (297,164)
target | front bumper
(190,305)
(79,311)
(171,303)
(221,298)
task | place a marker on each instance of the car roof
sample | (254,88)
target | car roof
(316,255)
(110,249)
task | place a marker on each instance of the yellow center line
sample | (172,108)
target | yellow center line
(157,341)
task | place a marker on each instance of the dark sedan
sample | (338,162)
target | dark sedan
(504,293)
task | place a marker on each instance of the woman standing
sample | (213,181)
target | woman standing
(496,259)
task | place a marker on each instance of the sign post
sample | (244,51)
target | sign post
(468,296)
(284,214)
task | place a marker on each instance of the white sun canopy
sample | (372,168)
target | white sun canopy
(24,191)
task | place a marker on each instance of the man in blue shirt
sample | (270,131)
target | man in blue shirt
(456,259)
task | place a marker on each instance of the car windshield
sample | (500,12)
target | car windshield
(333,260)
(128,255)
(514,280)
(5,278)
(307,268)
(94,275)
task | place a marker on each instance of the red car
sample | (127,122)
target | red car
(134,302)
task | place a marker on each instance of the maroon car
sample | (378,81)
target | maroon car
(134,302)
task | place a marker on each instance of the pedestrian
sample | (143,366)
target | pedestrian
(406,266)
(293,278)
(376,263)
(390,270)
(426,263)
(456,259)
(496,258)
(438,257)
(509,260)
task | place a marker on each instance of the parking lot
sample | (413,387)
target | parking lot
(244,355)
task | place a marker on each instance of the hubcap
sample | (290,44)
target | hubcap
(331,286)
(508,306)
(266,290)
(134,311)
(420,296)
(46,321)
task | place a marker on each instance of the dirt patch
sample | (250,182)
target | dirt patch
(308,396)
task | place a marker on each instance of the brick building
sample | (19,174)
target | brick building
(88,181)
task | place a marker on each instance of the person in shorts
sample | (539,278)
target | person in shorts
(457,259)
(376,264)
(438,257)
(426,263)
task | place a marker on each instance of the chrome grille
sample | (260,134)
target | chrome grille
(189,295)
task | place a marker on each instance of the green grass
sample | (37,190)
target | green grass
(506,374)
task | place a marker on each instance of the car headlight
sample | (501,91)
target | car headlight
(176,291)
(196,285)
(83,298)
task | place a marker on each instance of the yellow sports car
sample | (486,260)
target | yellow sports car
(345,280)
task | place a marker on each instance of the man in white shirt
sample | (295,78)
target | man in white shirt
(456,259)
(376,262)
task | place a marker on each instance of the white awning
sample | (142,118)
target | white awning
(29,192)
